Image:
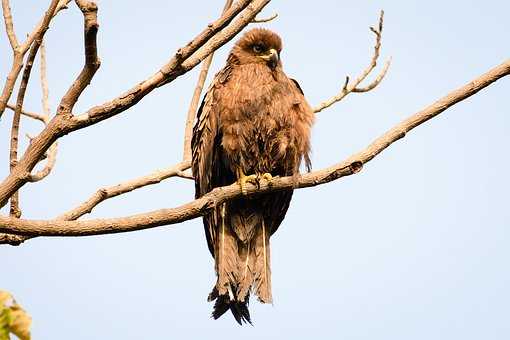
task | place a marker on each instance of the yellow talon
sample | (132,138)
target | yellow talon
(242,179)
(267,176)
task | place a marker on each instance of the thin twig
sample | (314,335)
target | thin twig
(217,196)
(259,21)
(105,193)
(13,155)
(354,86)
(33,115)
(9,27)
(44,83)
(62,4)
(52,151)
(19,53)
(376,81)
(195,99)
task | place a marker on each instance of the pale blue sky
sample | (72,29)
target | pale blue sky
(413,247)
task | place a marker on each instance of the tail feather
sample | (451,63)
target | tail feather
(246,261)
(223,303)
(262,268)
(226,259)
(242,264)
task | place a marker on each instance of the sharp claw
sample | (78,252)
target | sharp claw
(243,179)
(267,176)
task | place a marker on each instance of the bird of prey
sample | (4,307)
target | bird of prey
(253,124)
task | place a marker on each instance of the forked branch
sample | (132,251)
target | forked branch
(354,86)
(20,50)
(13,156)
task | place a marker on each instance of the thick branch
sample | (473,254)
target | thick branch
(217,196)
(65,123)
(195,99)
(92,63)
(184,60)
(354,86)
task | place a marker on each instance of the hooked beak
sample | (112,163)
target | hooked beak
(271,58)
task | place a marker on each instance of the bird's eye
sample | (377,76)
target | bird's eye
(257,48)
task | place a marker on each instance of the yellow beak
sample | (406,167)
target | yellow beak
(271,58)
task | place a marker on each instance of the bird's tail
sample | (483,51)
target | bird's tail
(262,265)
(242,266)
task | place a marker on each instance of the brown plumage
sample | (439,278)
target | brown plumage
(254,120)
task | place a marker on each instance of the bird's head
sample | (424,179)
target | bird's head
(260,46)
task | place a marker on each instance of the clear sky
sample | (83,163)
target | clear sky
(413,247)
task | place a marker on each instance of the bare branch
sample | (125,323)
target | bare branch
(105,193)
(33,115)
(13,240)
(52,151)
(195,51)
(19,53)
(376,81)
(353,87)
(17,65)
(42,25)
(217,196)
(13,155)
(259,21)
(122,188)
(214,36)
(92,63)
(9,27)
(188,130)
(44,83)
(186,173)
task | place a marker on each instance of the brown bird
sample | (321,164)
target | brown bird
(254,123)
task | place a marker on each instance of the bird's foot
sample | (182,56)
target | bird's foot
(243,179)
(266,176)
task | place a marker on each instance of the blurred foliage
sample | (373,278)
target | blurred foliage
(13,318)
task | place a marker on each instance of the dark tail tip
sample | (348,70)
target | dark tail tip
(239,309)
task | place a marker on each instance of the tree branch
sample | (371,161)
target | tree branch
(259,21)
(33,115)
(354,86)
(13,157)
(195,99)
(105,193)
(9,27)
(64,123)
(217,196)
(213,37)
(52,151)
(92,63)
(20,51)
(60,5)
